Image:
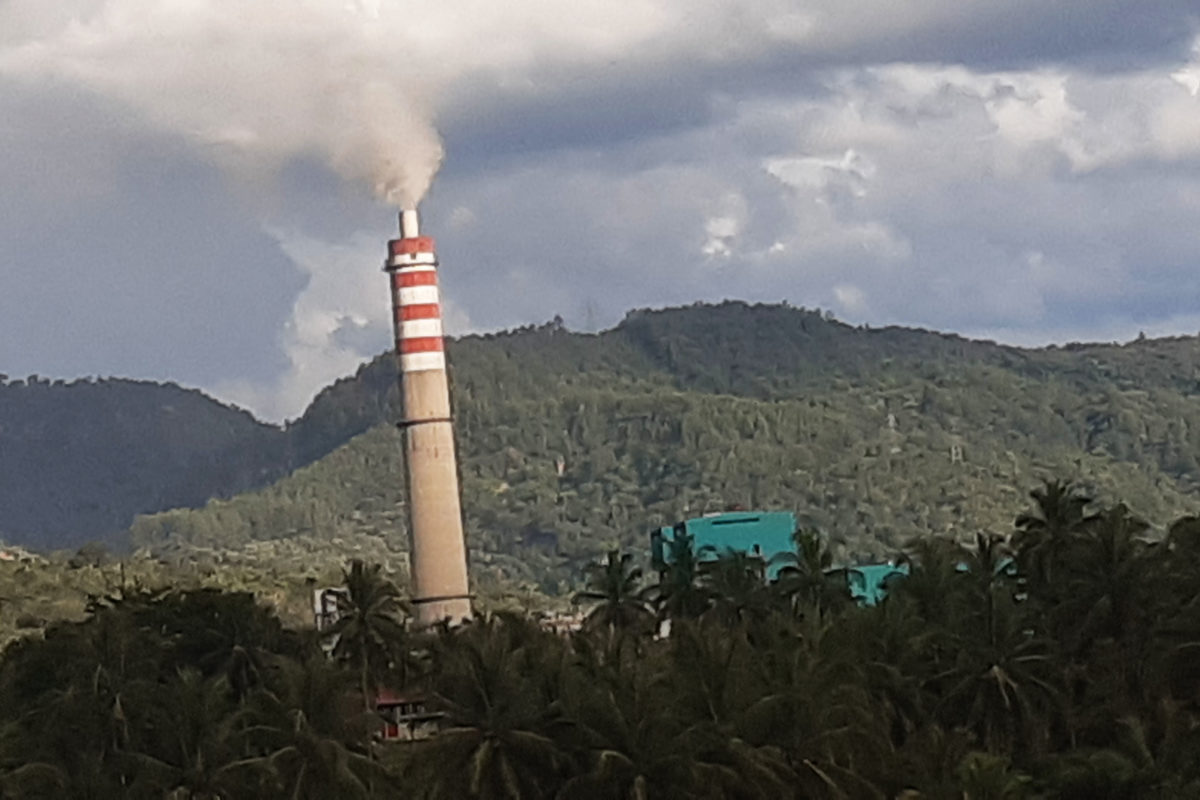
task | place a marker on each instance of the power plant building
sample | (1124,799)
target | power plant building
(764,535)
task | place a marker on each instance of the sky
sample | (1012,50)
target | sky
(201,190)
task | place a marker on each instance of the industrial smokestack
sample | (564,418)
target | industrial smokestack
(439,552)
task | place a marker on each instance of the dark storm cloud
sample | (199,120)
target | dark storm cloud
(1024,169)
(621,101)
(974,206)
(1094,35)
(101,268)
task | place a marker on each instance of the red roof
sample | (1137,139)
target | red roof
(390,697)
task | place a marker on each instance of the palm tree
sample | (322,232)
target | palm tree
(936,585)
(1176,604)
(708,663)
(1001,682)
(926,764)
(19,774)
(896,649)
(1184,536)
(1105,620)
(221,633)
(1177,565)
(639,756)
(1045,534)
(313,746)
(614,586)
(1108,575)
(987,568)
(502,719)
(1102,774)
(74,687)
(636,741)
(983,776)
(680,594)
(737,582)
(183,745)
(814,704)
(808,577)
(369,632)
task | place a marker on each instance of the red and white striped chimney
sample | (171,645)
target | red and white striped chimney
(438,559)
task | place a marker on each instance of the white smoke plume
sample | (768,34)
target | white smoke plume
(356,83)
(255,83)
(359,85)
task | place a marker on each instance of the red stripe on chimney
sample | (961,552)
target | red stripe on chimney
(420,311)
(423,344)
(425,277)
(416,244)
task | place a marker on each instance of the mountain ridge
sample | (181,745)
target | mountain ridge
(571,444)
(762,353)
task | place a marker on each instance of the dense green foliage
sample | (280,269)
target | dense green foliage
(78,460)
(37,590)
(1057,662)
(670,413)
(572,444)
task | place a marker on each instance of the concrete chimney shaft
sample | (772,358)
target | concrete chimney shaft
(410,226)
(438,561)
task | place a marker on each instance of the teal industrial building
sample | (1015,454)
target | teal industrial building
(766,535)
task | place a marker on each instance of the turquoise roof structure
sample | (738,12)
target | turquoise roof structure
(868,582)
(765,535)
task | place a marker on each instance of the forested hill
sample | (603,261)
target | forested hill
(572,442)
(78,460)
(759,351)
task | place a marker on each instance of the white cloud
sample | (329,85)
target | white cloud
(1032,109)
(851,299)
(1188,76)
(950,197)
(849,170)
(721,232)
(340,319)
(848,152)
(360,83)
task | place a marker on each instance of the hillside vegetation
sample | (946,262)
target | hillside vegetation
(78,460)
(572,444)
(1053,664)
